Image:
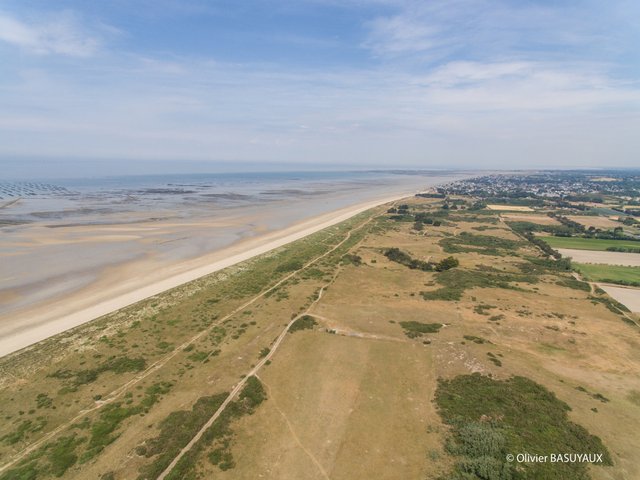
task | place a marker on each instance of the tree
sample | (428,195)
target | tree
(447,264)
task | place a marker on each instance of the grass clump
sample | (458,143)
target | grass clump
(474,339)
(289,266)
(264,352)
(44,401)
(352,259)
(414,329)
(62,455)
(571,282)
(306,322)
(53,459)
(490,418)
(116,365)
(24,428)
(493,359)
(482,308)
(403,258)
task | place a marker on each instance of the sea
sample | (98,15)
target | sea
(80,200)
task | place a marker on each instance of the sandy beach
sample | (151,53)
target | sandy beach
(131,281)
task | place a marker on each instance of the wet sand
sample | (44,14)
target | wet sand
(115,265)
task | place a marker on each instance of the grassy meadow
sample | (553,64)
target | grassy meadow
(589,243)
(609,273)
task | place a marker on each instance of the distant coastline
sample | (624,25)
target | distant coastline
(71,300)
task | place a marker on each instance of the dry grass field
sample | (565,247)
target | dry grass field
(533,218)
(595,221)
(510,208)
(354,390)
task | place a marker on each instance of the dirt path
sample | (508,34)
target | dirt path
(348,332)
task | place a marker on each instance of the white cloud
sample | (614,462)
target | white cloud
(221,111)
(483,100)
(428,31)
(60,34)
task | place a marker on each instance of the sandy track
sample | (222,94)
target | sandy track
(17,333)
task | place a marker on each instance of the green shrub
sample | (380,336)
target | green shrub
(352,259)
(306,322)
(474,339)
(447,264)
(264,352)
(403,258)
(289,266)
(115,364)
(490,418)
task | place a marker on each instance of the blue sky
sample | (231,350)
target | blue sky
(384,83)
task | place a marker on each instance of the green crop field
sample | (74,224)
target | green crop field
(588,243)
(609,273)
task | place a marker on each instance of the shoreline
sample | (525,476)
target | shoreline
(65,314)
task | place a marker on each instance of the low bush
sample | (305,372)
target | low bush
(490,418)
(306,322)
(413,329)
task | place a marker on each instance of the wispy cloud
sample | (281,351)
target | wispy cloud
(440,82)
(58,34)
(478,29)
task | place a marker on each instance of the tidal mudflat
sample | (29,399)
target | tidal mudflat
(78,250)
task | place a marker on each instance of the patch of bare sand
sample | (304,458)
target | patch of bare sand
(604,257)
(510,208)
(629,297)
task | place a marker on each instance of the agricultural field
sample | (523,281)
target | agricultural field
(609,273)
(602,257)
(417,343)
(510,208)
(598,244)
(533,218)
(595,221)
